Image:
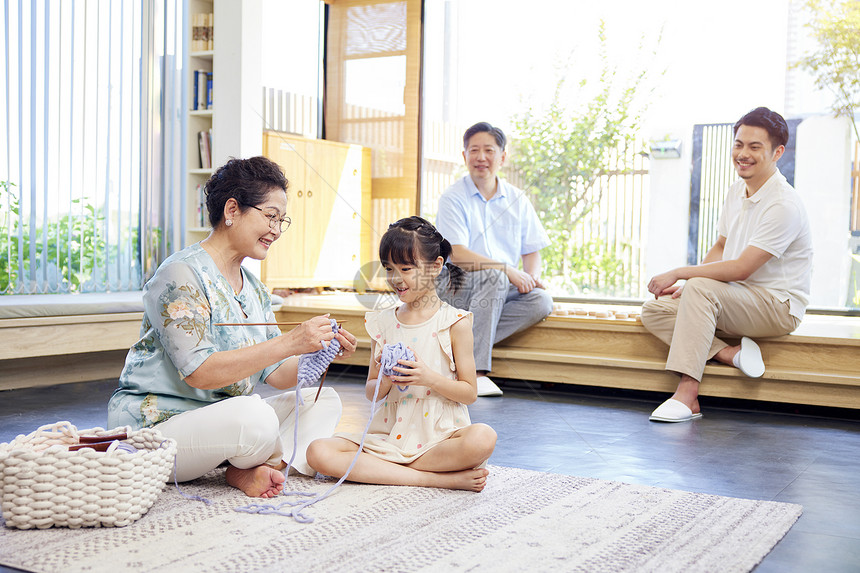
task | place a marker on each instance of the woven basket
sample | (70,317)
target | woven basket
(46,485)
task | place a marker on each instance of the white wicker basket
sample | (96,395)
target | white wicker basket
(46,485)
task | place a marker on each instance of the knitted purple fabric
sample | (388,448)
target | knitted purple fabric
(312,365)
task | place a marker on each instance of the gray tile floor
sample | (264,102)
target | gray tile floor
(739,449)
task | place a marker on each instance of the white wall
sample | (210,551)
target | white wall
(669,208)
(823,179)
(237,124)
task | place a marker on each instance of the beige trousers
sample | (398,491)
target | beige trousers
(688,324)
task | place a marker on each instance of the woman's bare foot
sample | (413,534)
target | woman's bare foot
(261,481)
(469,480)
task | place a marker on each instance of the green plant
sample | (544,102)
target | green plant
(600,270)
(835,64)
(8,236)
(563,155)
(70,252)
(854,290)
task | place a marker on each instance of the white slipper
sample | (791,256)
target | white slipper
(673,411)
(749,358)
(487,387)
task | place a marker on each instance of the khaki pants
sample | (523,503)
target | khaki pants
(688,324)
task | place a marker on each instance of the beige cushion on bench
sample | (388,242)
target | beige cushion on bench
(36,305)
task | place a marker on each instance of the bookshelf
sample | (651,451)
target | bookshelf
(234,119)
(201,56)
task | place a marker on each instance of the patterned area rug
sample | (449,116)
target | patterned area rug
(523,521)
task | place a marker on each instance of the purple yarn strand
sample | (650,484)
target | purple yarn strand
(391,354)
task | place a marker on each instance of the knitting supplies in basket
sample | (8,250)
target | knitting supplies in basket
(58,476)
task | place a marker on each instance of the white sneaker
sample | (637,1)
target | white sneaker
(487,387)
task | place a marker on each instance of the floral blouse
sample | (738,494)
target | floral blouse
(182,303)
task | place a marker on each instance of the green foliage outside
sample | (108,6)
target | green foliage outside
(561,155)
(835,64)
(855,282)
(73,246)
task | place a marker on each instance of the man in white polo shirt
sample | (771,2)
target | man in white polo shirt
(754,281)
(492,226)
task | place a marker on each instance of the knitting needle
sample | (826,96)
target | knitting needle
(97,446)
(97,439)
(321,383)
(98,443)
(264,323)
(279,324)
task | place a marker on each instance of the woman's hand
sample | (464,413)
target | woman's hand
(415,372)
(348,344)
(311,335)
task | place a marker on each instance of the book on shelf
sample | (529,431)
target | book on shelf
(202,213)
(210,31)
(209,90)
(202,85)
(196,32)
(204,140)
(202,28)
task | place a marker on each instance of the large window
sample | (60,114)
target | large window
(293,85)
(589,93)
(91,117)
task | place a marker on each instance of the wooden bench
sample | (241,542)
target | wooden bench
(819,364)
(54,339)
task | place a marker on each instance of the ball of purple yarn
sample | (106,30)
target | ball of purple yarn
(391,353)
(313,364)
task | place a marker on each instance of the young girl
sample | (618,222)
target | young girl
(422,434)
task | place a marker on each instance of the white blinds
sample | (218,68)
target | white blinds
(90,129)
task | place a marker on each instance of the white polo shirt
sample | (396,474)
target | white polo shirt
(503,228)
(775,221)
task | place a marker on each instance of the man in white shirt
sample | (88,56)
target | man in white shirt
(492,226)
(753,282)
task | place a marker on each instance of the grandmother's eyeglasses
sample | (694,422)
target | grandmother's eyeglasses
(275,223)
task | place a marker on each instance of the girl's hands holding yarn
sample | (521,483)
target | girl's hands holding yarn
(310,335)
(415,372)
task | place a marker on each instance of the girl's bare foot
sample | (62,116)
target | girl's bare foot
(261,481)
(469,480)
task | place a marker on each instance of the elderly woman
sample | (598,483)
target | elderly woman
(193,379)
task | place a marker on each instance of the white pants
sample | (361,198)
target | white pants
(248,431)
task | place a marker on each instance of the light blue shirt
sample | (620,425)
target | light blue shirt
(503,229)
(182,303)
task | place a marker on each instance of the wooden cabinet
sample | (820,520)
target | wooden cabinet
(329,204)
